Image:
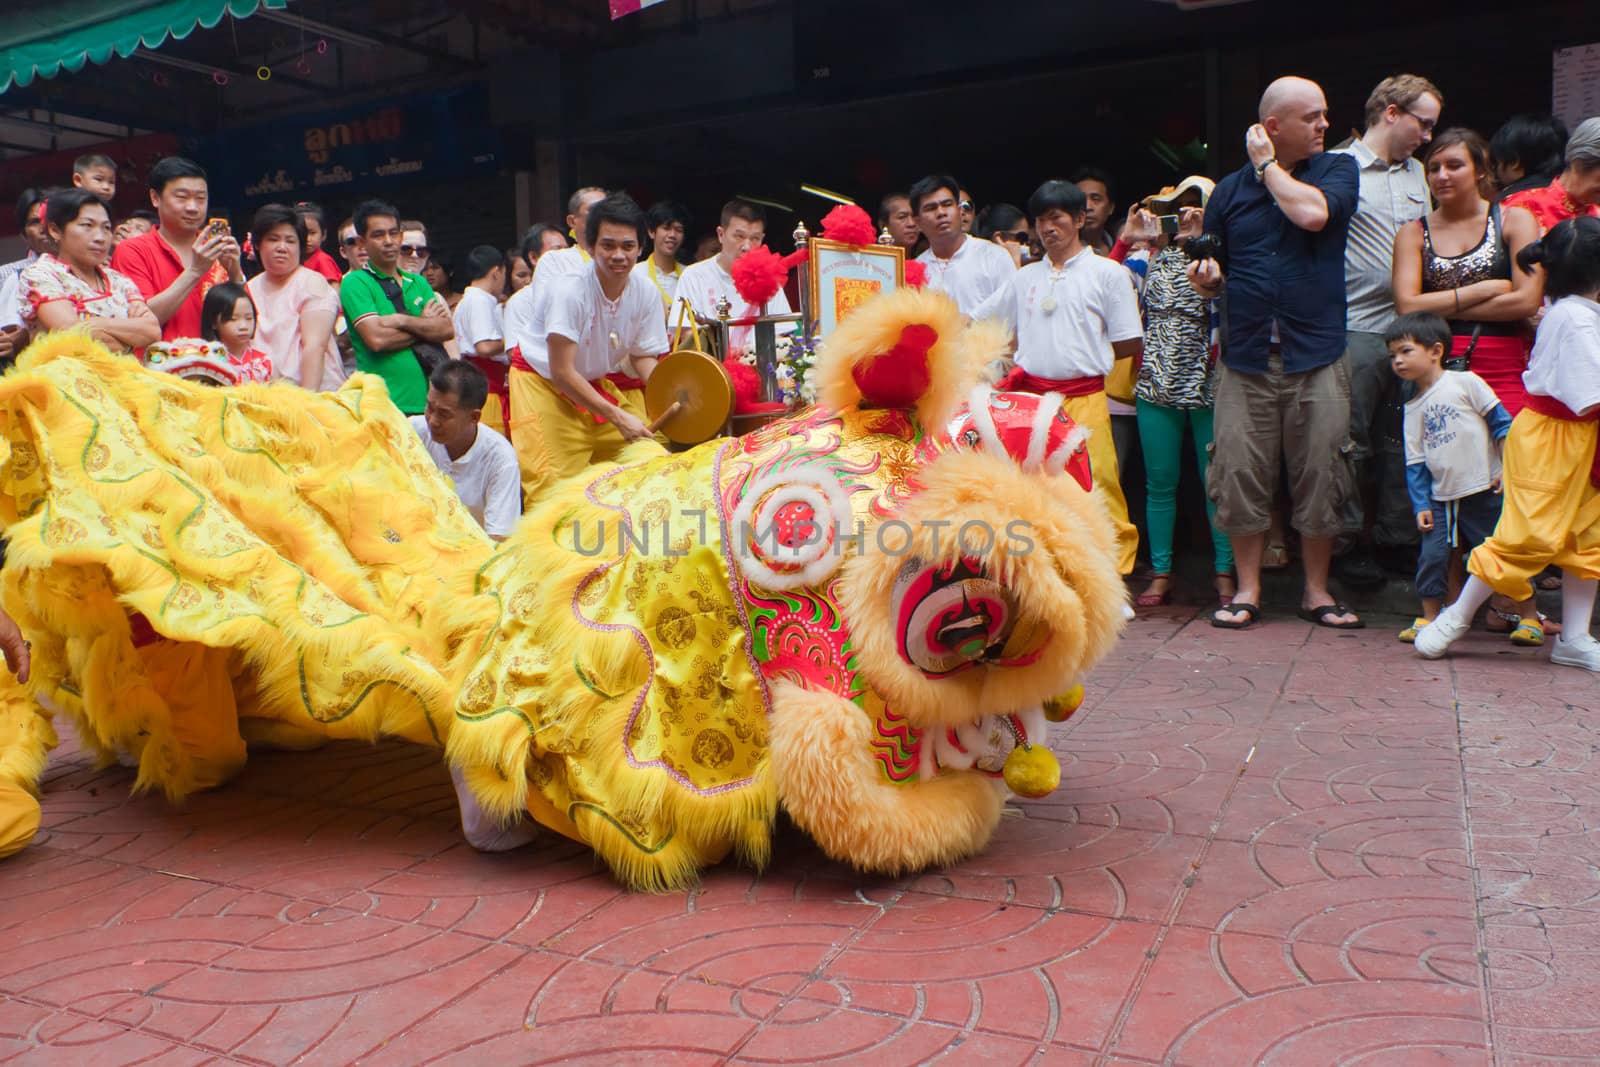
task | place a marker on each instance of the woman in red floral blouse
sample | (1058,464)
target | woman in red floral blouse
(74,286)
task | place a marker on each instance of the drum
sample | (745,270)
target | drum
(689,397)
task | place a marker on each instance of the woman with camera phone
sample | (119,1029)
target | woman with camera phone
(1173,391)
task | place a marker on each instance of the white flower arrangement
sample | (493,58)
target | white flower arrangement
(797,354)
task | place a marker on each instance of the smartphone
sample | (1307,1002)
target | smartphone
(1169,224)
(219,228)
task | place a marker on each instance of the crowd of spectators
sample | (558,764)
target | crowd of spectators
(1278,324)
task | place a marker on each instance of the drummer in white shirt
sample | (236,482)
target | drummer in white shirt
(589,350)
(552,265)
(743,227)
(1075,315)
(968,269)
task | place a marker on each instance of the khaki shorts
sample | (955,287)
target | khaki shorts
(1302,418)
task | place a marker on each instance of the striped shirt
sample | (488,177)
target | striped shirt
(1392,195)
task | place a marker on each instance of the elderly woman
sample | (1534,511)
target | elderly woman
(295,306)
(74,286)
(1576,190)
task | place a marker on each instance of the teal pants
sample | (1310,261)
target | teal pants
(1161,436)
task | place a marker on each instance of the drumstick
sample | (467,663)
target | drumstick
(675,407)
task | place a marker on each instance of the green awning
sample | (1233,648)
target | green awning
(41,40)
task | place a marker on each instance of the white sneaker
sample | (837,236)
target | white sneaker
(1128,612)
(1435,639)
(1582,651)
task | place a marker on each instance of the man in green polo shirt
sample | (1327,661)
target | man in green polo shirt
(381,334)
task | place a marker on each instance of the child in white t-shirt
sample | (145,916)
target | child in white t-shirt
(1453,429)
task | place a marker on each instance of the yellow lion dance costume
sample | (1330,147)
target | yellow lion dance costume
(865,613)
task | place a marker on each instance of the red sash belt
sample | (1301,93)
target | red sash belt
(515,352)
(621,381)
(1551,408)
(1499,361)
(1020,381)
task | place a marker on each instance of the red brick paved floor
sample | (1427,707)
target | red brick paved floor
(1289,846)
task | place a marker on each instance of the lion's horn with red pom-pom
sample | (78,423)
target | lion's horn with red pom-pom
(916,273)
(898,377)
(759,274)
(849,224)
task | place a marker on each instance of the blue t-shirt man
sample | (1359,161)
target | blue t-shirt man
(1277,271)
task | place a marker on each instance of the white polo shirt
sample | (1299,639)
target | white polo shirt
(977,270)
(486,477)
(1066,320)
(606,332)
(478,318)
(704,283)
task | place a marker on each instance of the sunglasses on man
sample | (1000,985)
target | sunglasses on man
(1020,237)
(413,250)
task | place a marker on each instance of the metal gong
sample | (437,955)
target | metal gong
(688,397)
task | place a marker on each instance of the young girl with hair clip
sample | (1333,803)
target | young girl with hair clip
(1551,512)
(228,317)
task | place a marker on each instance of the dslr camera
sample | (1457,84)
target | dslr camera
(1205,246)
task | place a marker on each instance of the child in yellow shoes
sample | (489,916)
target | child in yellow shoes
(1552,462)
(1453,429)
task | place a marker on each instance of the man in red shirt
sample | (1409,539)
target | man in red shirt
(176,264)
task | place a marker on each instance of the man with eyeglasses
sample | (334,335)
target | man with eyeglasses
(351,250)
(1401,115)
(413,246)
(967,269)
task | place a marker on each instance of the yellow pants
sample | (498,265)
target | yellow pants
(553,438)
(194,681)
(492,416)
(1551,513)
(1091,413)
(19,818)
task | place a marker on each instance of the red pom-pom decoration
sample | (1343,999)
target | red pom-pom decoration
(759,274)
(898,377)
(849,225)
(916,273)
(746,383)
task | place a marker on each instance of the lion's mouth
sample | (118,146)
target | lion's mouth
(982,744)
(953,616)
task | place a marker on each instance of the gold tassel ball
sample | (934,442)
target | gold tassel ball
(1060,708)
(1032,771)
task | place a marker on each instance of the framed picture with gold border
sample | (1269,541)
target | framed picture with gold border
(842,276)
